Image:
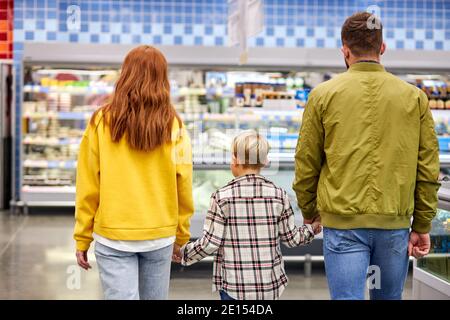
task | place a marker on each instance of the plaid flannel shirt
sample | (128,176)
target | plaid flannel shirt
(246,221)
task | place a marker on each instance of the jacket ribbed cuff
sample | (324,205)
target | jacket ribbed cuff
(309,214)
(181,241)
(83,245)
(421,226)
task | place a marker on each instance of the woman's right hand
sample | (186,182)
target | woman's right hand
(82,259)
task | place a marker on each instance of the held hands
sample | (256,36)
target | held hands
(82,259)
(176,254)
(419,244)
(317,227)
(315,224)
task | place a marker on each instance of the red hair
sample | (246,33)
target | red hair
(140,108)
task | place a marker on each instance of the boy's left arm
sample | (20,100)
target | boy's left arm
(290,234)
(212,238)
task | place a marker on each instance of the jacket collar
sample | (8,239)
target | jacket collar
(247,177)
(366,66)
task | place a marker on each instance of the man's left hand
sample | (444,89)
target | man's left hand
(419,244)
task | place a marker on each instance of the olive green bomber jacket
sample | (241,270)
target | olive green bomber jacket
(367,155)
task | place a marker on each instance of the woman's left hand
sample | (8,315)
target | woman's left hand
(176,254)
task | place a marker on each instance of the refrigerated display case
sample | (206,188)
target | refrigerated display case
(58,104)
(431,274)
(209,178)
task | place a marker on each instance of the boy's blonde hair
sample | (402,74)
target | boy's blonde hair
(250,149)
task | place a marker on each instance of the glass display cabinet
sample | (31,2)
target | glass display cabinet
(431,274)
(208,179)
(58,103)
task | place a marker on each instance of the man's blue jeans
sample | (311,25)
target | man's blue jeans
(349,253)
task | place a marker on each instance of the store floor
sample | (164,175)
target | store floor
(37,261)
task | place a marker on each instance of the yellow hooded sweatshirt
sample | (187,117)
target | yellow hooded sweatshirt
(125,194)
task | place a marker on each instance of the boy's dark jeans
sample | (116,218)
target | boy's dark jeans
(225,296)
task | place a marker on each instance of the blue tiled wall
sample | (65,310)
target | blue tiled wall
(417,24)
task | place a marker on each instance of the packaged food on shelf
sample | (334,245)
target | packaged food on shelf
(279,101)
(253,94)
(65,102)
(29,107)
(41,106)
(52,101)
(301,97)
(437,91)
(240,100)
(247,94)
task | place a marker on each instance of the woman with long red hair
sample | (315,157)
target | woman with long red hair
(134,183)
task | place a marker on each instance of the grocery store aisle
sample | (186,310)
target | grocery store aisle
(37,262)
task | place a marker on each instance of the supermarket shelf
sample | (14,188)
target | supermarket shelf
(50,164)
(182,92)
(285,159)
(444,194)
(244,114)
(218,161)
(56,204)
(444,159)
(34,88)
(52,142)
(48,196)
(262,111)
(219,117)
(440,113)
(59,115)
(49,189)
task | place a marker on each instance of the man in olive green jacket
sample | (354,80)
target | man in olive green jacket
(367,163)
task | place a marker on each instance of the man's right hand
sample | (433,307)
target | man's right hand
(419,244)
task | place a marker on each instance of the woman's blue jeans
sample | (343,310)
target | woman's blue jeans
(134,276)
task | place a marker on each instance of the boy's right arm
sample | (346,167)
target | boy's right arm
(212,238)
(291,235)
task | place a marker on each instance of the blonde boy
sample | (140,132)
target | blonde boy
(246,221)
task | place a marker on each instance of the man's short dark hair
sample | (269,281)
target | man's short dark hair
(363,34)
